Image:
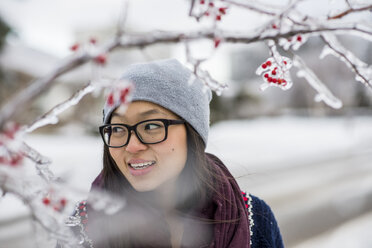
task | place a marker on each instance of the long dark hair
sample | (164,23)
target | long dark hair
(195,185)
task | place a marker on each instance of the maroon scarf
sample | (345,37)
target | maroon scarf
(223,209)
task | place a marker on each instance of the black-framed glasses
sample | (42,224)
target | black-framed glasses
(148,132)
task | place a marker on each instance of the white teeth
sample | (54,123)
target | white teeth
(141,165)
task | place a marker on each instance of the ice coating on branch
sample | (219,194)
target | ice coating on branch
(324,94)
(72,221)
(51,117)
(209,82)
(294,42)
(47,204)
(34,155)
(363,72)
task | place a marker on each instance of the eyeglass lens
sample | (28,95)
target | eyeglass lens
(148,132)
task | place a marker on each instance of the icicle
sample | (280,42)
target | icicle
(324,94)
(51,116)
(209,82)
(362,70)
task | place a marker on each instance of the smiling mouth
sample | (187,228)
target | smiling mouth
(141,166)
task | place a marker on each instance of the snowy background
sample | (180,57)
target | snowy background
(315,171)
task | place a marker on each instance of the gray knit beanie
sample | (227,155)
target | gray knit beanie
(166,83)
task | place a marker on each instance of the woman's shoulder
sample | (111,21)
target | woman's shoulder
(263,225)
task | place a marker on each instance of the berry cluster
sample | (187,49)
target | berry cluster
(12,158)
(121,97)
(100,59)
(56,204)
(271,75)
(212,10)
(82,212)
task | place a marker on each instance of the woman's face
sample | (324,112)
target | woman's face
(166,159)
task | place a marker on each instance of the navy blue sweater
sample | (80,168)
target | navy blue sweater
(265,231)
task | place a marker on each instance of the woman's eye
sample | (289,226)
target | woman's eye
(151,126)
(118,130)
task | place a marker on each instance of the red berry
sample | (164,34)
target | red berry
(280,81)
(246,205)
(273,72)
(9,133)
(299,38)
(202,2)
(245,198)
(63,202)
(75,47)
(268,63)
(16,160)
(284,62)
(270,79)
(46,201)
(275,80)
(274,26)
(211,4)
(266,75)
(264,66)
(222,10)
(100,59)
(217,42)
(93,41)
(218,18)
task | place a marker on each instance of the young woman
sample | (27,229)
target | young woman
(154,158)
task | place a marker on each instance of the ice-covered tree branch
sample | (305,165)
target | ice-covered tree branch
(36,87)
(349,11)
(362,71)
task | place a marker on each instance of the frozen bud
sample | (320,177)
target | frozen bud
(75,47)
(101,59)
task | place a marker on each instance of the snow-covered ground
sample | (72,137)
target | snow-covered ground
(260,148)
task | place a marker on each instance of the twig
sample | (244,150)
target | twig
(192,5)
(348,11)
(122,19)
(51,116)
(324,94)
(36,87)
(251,7)
(346,59)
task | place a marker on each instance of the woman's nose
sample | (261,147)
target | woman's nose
(135,145)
